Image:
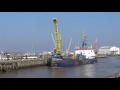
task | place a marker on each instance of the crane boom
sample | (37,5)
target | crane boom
(53,40)
(57,37)
(69,45)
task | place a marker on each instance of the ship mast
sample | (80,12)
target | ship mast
(84,45)
(83,37)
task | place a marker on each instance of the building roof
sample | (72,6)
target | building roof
(105,47)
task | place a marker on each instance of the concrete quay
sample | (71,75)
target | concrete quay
(9,65)
(101,56)
(117,75)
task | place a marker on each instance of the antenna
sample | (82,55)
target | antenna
(32,46)
(90,45)
(95,43)
(78,45)
(53,40)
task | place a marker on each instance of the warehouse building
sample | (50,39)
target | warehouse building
(109,50)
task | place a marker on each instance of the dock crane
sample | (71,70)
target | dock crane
(57,37)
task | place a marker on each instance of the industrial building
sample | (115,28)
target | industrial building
(109,50)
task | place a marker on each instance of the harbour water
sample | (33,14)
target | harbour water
(104,68)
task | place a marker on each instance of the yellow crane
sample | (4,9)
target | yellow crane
(57,37)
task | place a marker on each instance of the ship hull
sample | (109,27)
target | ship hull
(89,61)
(69,62)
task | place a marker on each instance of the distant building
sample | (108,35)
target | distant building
(109,50)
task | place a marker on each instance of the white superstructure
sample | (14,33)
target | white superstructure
(88,52)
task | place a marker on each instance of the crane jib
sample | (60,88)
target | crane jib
(57,37)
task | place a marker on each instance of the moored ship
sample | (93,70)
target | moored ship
(85,53)
(82,55)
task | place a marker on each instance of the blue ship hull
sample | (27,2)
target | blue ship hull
(90,61)
(67,62)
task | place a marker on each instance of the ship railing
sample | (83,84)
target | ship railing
(56,59)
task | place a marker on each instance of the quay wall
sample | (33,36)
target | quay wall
(117,75)
(14,65)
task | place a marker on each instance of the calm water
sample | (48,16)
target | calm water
(104,68)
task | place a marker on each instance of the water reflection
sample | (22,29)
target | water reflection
(88,70)
(57,72)
(104,68)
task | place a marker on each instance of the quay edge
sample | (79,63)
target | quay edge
(6,66)
(117,75)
